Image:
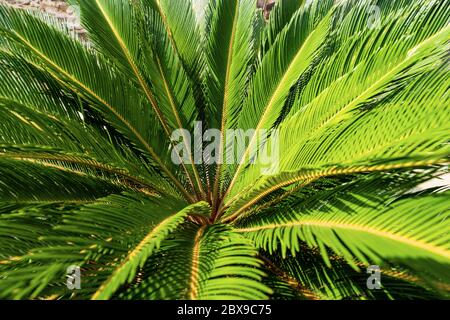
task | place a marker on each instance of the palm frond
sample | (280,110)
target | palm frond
(280,17)
(220,265)
(341,281)
(91,77)
(410,231)
(31,181)
(126,271)
(280,69)
(401,138)
(96,237)
(228,66)
(131,52)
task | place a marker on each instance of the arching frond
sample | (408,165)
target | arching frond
(180,25)
(368,127)
(152,67)
(340,281)
(228,56)
(203,263)
(287,60)
(91,77)
(410,231)
(29,181)
(126,271)
(97,237)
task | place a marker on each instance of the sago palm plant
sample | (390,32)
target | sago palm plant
(353,97)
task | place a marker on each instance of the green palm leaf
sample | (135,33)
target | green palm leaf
(203,263)
(350,98)
(411,232)
(410,78)
(151,242)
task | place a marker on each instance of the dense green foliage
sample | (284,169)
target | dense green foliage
(358,91)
